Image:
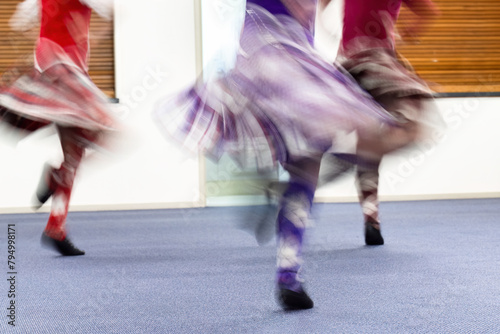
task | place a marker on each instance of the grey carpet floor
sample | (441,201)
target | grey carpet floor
(198,271)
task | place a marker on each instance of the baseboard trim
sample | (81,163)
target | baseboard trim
(401,198)
(249,200)
(245,201)
(108,207)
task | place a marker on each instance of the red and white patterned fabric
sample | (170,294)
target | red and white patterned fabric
(58,89)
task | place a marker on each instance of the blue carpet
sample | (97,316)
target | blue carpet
(196,271)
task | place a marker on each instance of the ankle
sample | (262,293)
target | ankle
(56,234)
(289,279)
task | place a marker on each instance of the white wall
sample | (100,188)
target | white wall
(460,161)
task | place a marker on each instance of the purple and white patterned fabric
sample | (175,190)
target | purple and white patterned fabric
(281,101)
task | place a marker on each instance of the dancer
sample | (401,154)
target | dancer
(367,51)
(59,91)
(280,104)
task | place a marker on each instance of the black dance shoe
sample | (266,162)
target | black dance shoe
(373,237)
(65,247)
(44,189)
(291,300)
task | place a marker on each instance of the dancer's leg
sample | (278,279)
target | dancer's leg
(292,221)
(407,110)
(367,183)
(61,181)
(372,146)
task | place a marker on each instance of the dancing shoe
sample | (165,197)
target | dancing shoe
(292,300)
(65,247)
(290,293)
(373,236)
(45,188)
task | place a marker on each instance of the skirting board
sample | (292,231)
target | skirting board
(108,207)
(244,201)
(398,198)
(261,200)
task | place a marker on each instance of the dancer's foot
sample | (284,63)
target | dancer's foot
(291,300)
(291,294)
(373,236)
(65,247)
(45,188)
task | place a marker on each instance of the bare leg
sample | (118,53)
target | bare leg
(374,145)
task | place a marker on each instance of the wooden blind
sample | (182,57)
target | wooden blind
(460,52)
(16,48)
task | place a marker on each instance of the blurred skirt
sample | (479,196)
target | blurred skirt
(393,83)
(280,102)
(62,95)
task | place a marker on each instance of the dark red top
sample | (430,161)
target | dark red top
(370,23)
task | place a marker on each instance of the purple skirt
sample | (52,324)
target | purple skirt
(280,102)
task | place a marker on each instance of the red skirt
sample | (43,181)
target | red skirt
(61,95)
